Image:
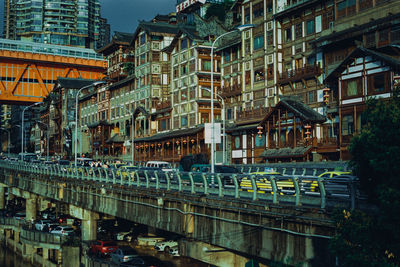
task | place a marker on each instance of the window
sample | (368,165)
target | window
(227,56)
(142,39)
(259,75)
(351,87)
(377,84)
(270,37)
(184,121)
(299,31)
(310,27)
(260,140)
(247,78)
(288,34)
(347,125)
(247,46)
(258,10)
(258,42)
(206,65)
(184,44)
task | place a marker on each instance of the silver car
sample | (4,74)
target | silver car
(124,254)
(63,230)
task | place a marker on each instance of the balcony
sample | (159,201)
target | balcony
(253,114)
(299,74)
(162,105)
(234,90)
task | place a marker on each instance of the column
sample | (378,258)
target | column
(31,208)
(2,197)
(89,225)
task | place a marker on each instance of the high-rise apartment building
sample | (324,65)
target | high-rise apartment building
(69,22)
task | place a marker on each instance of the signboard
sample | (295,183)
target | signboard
(186,4)
(208,131)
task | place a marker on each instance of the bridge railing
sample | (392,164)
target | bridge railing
(289,189)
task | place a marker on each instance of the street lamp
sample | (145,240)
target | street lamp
(238,28)
(8,145)
(76,115)
(22,128)
(47,133)
(133,135)
(223,126)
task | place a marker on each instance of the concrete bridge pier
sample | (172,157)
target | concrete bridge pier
(2,197)
(89,222)
(31,208)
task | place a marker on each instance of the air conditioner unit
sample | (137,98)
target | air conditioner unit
(270,59)
(269,25)
(247,66)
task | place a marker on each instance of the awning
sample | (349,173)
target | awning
(171,134)
(97,123)
(286,152)
(115,139)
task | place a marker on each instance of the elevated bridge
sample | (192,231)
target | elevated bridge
(222,224)
(28,71)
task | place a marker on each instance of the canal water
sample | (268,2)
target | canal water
(10,259)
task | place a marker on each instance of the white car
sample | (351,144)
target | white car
(41,224)
(174,251)
(165,245)
(63,230)
(124,236)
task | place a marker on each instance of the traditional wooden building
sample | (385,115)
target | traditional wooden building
(362,75)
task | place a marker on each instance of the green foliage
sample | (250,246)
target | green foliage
(373,239)
(375,152)
(218,10)
(129,68)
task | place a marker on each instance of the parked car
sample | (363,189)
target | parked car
(41,225)
(20,215)
(51,226)
(126,236)
(63,230)
(103,248)
(174,251)
(124,254)
(165,245)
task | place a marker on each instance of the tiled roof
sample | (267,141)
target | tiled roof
(171,134)
(360,52)
(301,110)
(122,37)
(285,152)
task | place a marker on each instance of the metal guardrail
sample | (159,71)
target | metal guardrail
(291,189)
(31,234)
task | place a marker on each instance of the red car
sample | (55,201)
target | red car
(103,248)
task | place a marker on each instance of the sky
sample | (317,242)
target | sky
(124,15)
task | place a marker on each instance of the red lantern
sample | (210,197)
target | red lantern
(326,95)
(259,128)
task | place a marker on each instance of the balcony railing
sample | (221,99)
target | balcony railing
(231,91)
(298,74)
(162,105)
(251,114)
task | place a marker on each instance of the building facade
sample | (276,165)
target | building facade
(293,86)
(71,22)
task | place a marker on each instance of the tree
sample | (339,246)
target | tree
(218,10)
(373,238)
